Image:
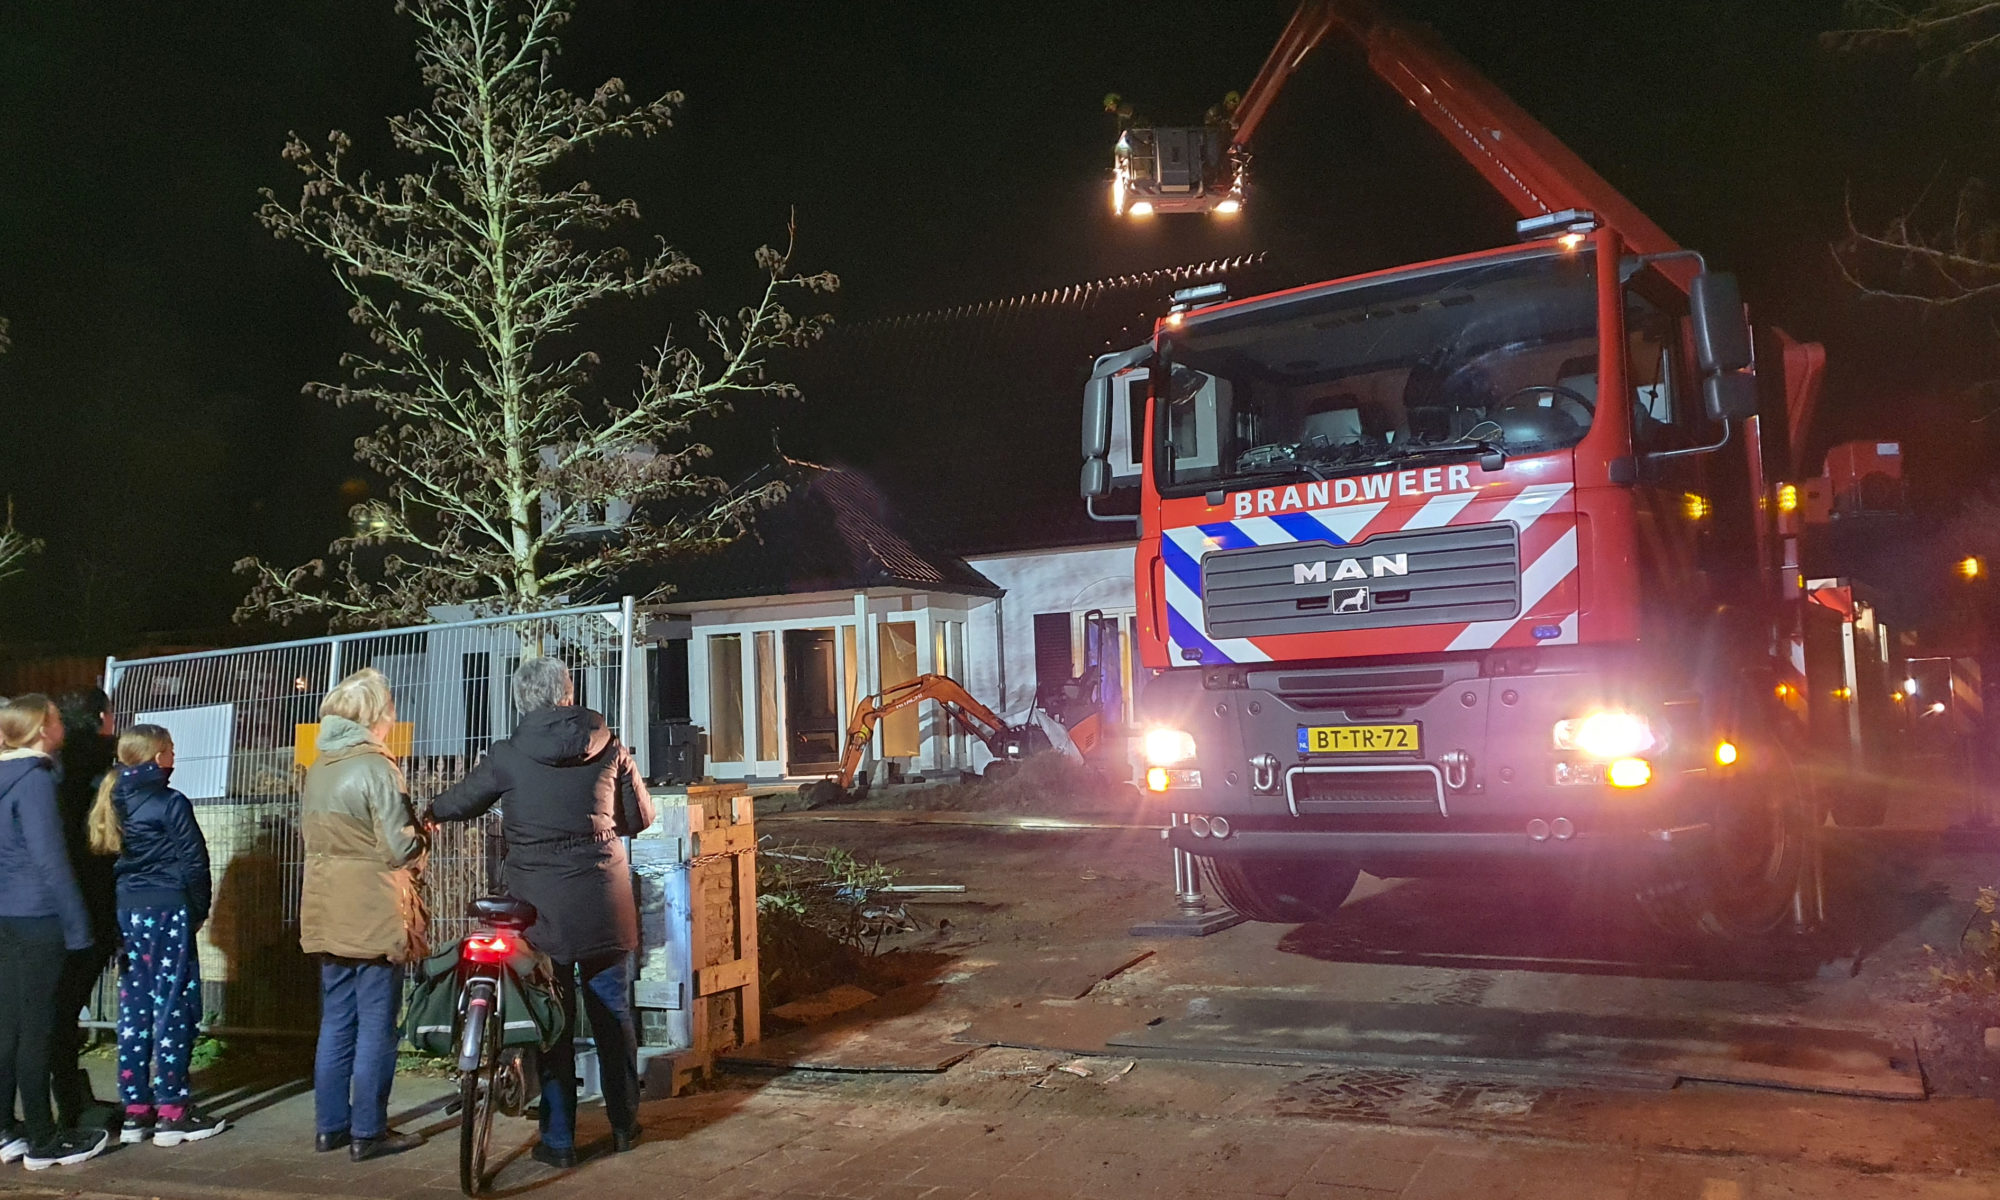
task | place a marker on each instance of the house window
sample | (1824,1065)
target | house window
(725,698)
(961,748)
(898,665)
(767,696)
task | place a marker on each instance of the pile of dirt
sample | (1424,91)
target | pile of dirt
(1049,784)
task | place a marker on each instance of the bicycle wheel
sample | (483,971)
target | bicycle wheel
(475,1129)
(480,1046)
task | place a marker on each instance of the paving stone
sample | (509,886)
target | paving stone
(1026,1187)
(1355,1165)
(1245,1167)
(1332,1191)
(1495,1173)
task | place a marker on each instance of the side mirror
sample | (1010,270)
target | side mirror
(1096,479)
(1730,396)
(1721,335)
(1097,419)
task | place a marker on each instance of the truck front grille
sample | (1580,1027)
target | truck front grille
(1331,791)
(1423,577)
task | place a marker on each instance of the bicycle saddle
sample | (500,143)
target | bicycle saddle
(504,912)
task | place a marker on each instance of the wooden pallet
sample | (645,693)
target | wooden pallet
(723,1000)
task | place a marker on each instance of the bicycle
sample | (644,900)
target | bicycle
(491,1075)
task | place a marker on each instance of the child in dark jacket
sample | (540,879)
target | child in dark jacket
(163,898)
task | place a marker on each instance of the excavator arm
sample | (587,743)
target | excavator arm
(975,718)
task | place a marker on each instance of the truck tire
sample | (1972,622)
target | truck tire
(1762,852)
(1287,891)
(1859,806)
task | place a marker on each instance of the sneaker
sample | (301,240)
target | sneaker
(191,1126)
(13,1146)
(68,1148)
(136,1128)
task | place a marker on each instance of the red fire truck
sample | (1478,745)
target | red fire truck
(1472,562)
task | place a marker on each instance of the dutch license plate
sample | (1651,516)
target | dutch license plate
(1360,739)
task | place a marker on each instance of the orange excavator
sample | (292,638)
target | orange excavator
(1009,744)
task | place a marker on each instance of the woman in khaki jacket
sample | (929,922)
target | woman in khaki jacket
(360,913)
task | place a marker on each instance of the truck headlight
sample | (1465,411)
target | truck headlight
(1168,747)
(1608,734)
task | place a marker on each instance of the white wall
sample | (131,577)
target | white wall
(1042,581)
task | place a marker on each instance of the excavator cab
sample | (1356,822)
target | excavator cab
(1090,706)
(1174,169)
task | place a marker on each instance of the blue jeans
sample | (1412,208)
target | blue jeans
(358,1003)
(607,998)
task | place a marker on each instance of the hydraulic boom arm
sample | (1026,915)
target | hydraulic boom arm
(1523,161)
(1532,170)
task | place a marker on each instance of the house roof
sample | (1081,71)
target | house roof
(833,531)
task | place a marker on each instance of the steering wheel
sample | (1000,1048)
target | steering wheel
(1557,390)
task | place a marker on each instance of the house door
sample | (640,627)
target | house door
(812,712)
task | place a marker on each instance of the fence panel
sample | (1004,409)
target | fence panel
(244,723)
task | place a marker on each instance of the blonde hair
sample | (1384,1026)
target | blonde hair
(23,719)
(139,744)
(362,698)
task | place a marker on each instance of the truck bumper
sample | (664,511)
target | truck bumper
(1374,845)
(1486,784)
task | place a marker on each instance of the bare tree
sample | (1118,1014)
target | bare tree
(472,273)
(1943,249)
(15,546)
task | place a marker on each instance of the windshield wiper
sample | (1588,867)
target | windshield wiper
(1492,455)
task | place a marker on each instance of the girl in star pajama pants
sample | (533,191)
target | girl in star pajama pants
(163,897)
(159,1001)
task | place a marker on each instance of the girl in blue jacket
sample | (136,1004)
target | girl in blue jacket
(163,897)
(42,917)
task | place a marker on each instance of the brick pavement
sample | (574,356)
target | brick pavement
(849,1140)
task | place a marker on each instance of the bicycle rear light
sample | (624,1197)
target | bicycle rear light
(488,949)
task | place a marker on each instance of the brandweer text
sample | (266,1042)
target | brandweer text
(1349,491)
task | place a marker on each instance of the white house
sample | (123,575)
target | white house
(769,645)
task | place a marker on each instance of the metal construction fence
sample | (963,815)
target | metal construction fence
(245,722)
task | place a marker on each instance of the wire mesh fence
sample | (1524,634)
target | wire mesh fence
(245,724)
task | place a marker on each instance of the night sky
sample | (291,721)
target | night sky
(935,154)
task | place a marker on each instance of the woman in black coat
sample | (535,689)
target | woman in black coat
(568,793)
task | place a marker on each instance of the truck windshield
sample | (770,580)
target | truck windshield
(1461,361)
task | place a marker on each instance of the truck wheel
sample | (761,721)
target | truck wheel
(1859,806)
(1761,853)
(1288,891)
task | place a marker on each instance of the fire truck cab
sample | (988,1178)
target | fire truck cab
(1474,561)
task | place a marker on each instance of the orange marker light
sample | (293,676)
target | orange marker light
(1156,779)
(1725,753)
